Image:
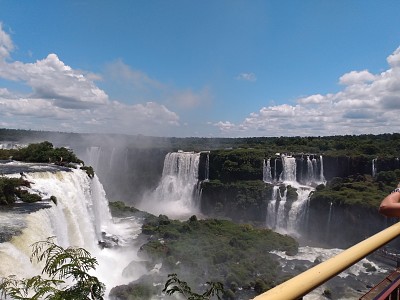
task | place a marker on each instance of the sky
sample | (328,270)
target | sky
(211,68)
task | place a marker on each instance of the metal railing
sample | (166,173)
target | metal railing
(307,281)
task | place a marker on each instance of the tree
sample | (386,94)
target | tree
(175,285)
(72,264)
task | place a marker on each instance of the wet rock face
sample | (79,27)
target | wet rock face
(108,241)
(342,226)
(343,166)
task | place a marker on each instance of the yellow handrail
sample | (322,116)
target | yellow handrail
(305,282)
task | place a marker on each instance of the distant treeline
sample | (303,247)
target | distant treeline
(382,145)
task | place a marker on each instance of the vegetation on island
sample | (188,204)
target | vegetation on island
(361,190)
(12,189)
(67,277)
(43,152)
(216,250)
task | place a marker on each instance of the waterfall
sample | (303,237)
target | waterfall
(288,216)
(280,215)
(267,176)
(321,175)
(374,172)
(313,176)
(177,191)
(289,169)
(80,218)
(328,227)
(297,213)
(271,209)
(310,170)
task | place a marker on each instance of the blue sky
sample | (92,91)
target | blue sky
(201,68)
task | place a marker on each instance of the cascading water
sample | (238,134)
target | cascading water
(80,218)
(280,215)
(374,167)
(284,215)
(267,175)
(177,193)
(272,206)
(289,169)
(297,210)
(207,168)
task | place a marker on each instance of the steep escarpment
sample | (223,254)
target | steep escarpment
(272,190)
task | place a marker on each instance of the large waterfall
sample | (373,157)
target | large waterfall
(80,218)
(177,193)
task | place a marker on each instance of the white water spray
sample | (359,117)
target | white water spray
(79,219)
(177,193)
(289,169)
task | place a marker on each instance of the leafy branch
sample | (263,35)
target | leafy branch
(59,264)
(175,285)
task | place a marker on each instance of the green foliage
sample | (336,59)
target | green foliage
(381,145)
(89,171)
(388,177)
(216,250)
(238,164)
(239,200)
(134,291)
(361,190)
(41,153)
(175,285)
(10,190)
(291,194)
(72,264)
(30,198)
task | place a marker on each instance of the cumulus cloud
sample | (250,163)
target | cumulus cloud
(355,77)
(247,77)
(63,98)
(369,103)
(394,58)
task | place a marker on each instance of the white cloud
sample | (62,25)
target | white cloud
(225,126)
(369,103)
(313,99)
(51,79)
(355,77)
(6,44)
(394,58)
(247,77)
(63,98)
